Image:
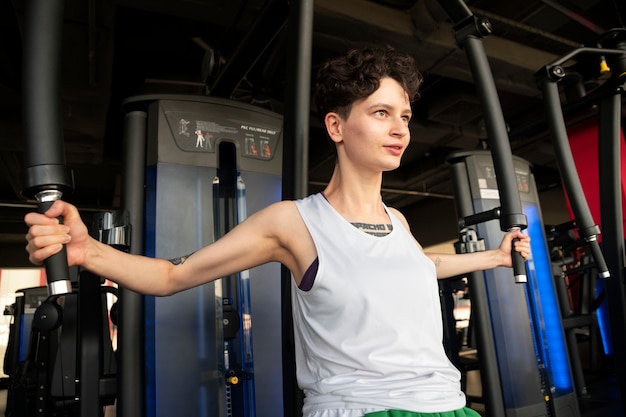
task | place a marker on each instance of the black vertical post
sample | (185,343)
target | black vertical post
(47,177)
(295,167)
(131,391)
(612,224)
(298,100)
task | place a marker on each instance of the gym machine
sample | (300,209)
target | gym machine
(60,358)
(468,32)
(65,366)
(605,55)
(245,149)
(516,324)
(207,162)
(520,324)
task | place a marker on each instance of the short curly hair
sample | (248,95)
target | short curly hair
(357,74)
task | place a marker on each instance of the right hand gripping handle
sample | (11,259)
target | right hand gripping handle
(57,269)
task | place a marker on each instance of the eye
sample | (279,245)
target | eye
(380,112)
(406,118)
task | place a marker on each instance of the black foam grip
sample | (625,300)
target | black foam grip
(57,268)
(519,266)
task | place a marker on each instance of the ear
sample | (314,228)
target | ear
(333,126)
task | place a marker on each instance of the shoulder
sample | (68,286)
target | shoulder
(279,219)
(404,222)
(283,223)
(276,214)
(400,217)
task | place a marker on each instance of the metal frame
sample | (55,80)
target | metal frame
(611,47)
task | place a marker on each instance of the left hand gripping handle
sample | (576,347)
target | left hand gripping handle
(57,269)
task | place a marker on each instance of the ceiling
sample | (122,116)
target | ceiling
(114,49)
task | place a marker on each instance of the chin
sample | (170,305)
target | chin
(391,168)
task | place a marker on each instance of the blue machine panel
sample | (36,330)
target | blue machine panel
(184,336)
(525,319)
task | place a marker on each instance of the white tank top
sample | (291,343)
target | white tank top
(368,334)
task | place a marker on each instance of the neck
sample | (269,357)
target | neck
(355,196)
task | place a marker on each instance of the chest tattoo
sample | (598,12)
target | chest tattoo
(374,229)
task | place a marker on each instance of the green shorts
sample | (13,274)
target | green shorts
(464,412)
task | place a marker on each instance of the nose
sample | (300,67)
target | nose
(400,127)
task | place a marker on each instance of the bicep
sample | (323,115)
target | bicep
(249,244)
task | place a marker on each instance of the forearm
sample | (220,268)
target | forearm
(137,273)
(450,265)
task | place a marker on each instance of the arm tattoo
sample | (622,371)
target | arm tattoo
(181,260)
(437,262)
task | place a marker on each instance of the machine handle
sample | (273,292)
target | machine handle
(519,265)
(57,269)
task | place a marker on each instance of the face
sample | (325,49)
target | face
(376,132)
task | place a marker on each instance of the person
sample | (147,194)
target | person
(366,311)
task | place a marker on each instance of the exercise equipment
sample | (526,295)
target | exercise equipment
(511,322)
(46,177)
(607,53)
(230,209)
(65,366)
(469,31)
(60,359)
(519,327)
(575,278)
(199,154)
